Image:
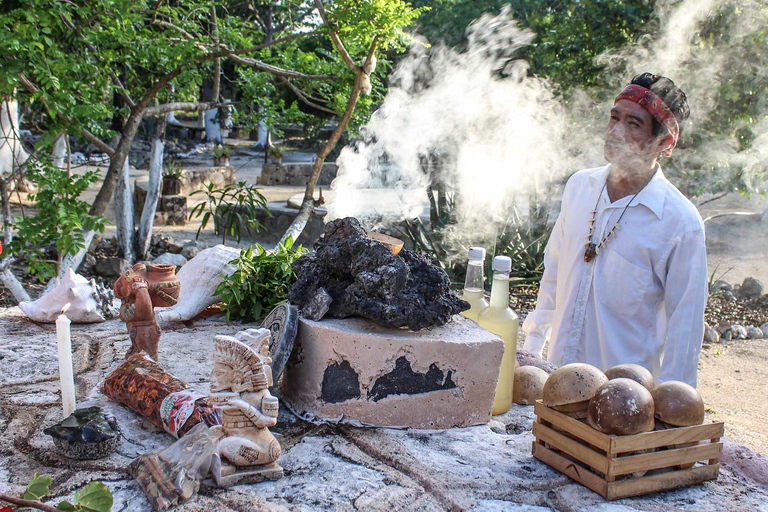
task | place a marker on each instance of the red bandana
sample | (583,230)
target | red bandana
(654,105)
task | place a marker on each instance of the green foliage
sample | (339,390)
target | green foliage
(221,151)
(569,33)
(172,168)
(522,239)
(37,487)
(94,497)
(232,208)
(61,217)
(260,283)
(277,150)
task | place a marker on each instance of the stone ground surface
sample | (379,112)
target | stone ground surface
(327,467)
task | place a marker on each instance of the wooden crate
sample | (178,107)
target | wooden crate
(606,463)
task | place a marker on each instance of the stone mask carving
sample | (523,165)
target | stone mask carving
(239,383)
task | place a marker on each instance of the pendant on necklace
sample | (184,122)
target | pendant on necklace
(590,253)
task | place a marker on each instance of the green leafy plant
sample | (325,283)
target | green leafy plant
(94,497)
(61,218)
(172,169)
(232,208)
(260,283)
(221,152)
(277,151)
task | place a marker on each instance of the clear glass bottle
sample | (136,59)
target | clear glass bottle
(474,287)
(499,318)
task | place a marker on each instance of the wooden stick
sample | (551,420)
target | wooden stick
(28,503)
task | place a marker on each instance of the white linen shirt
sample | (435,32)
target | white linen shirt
(641,300)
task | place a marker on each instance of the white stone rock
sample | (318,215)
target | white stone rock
(168,258)
(754,333)
(739,332)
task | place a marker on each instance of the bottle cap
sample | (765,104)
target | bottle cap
(476,253)
(502,264)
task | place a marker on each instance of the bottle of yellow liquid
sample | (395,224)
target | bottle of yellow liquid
(499,318)
(474,287)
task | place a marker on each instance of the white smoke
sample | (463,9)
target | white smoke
(503,136)
(497,132)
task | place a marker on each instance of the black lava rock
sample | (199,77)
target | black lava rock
(365,279)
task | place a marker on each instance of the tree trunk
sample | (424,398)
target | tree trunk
(6,276)
(117,162)
(154,186)
(124,214)
(12,152)
(308,203)
(60,151)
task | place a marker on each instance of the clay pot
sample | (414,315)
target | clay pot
(171,186)
(221,162)
(163,285)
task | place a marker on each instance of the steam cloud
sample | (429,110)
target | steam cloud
(503,136)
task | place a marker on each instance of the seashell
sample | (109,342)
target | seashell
(89,303)
(199,279)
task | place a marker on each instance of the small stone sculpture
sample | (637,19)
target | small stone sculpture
(362,277)
(239,383)
(142,288)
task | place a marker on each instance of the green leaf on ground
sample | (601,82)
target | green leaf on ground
(37,488)
(94,497)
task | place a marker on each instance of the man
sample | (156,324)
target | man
(625,277)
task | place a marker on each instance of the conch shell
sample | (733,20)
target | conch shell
(89,303)
(199,278)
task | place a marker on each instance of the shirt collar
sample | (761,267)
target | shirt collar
(652,196)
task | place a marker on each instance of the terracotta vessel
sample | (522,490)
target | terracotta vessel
(143,288)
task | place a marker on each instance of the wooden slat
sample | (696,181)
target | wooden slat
(662,482)
(573,448)
(663,459)
(659,438)
(577,428)
(571,469)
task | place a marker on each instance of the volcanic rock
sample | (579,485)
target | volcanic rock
(754,333)
(751,288)
(365,279)
(739,332)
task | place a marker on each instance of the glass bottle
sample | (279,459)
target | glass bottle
(474,288)
(499,319)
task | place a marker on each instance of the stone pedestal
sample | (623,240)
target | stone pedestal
(295,174)
(434,378)
(171,211)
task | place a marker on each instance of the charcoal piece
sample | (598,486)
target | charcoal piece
(365,279)
(316,307)
(340,383)
(404,381)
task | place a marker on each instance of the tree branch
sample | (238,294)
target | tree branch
(180,106)
(337,40)
(28,503)
(217,61)
(275,42)
(115,79)
(32,89)
(285,73)
(298,19)
(305,99)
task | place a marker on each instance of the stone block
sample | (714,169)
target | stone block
(356,369)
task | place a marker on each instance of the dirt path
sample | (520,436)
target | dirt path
(733,380)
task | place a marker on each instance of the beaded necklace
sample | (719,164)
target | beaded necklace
(592,248)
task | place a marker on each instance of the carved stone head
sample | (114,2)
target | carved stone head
(237,367)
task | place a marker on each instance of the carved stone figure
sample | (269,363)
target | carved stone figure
(239,383)
(142,288)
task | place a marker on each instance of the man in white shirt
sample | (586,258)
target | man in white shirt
(625,277)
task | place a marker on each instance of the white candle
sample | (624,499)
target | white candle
(66,375)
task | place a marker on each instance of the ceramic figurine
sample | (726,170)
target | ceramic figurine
(142,288)
(239,383)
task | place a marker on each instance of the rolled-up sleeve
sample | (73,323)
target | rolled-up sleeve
(685,297)
(538,323)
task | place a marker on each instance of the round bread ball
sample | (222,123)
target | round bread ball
(571,384)
(621,406)
(678,404)
(632,371)
(529,385)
